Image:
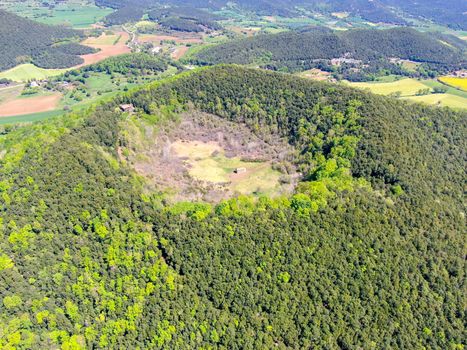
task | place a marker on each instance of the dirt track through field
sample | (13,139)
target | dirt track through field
(29,105)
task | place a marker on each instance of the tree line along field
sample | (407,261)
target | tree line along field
(106,45)
(78,89)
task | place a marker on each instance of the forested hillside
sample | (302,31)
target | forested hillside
(451,13)
(185,18)
(368,253)
(23,40)
(363,51)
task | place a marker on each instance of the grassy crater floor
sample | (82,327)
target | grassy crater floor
(208,163)
(203,157)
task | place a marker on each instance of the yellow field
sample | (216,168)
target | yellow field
(25,72)
(407,87)
(458,83)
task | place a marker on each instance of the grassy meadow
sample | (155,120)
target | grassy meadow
(28,71)
(407,87)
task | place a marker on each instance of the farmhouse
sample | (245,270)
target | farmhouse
(156,50)
(342,60)
(127,108)
(240,171)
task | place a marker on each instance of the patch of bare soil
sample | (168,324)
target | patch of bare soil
(29,105)
(160,163)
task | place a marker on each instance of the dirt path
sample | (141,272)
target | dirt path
(179,52)
(29,105)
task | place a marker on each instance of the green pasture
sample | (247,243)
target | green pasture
(29,118)
(75,13)
(28,71)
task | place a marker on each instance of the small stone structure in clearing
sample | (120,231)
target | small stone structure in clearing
(127,108)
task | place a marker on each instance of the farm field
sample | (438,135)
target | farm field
(15,108)
(408,88)
(109,45)
(444,100)
(179,52)
(29,118)
(458,83)
(29,105)
(10,92)
(104,39)
(28,71)
(75,13)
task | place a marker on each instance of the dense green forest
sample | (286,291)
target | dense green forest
(181,18)
(23,40)
(451,13)
(124,15)
(187,19)
(362,53)
(129,64)
(368,253)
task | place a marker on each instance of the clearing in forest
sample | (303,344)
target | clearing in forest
(204,157)
(316,74)
(207,162)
